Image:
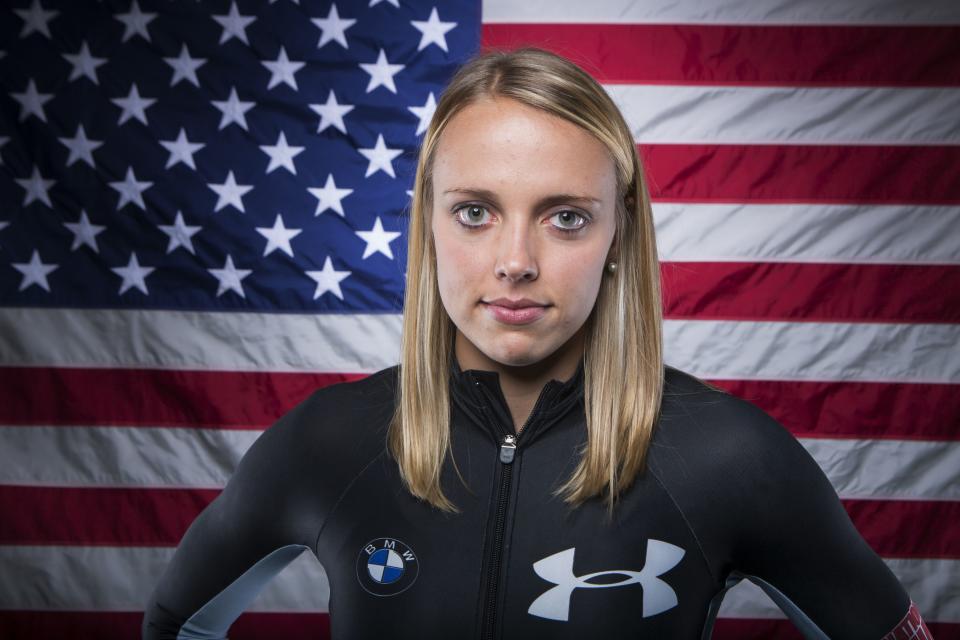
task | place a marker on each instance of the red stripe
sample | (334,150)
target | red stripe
(98,516)
(855,409)
(746,54)
(753,629)
(124,625)
(160,517)
(803,173)
(153,397)
(812,292)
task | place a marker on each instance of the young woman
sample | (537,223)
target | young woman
(531,469)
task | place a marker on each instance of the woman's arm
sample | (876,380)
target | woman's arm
(798,544)
(251,531)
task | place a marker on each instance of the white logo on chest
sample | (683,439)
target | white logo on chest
(658,596)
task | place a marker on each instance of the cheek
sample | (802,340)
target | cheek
(456,269)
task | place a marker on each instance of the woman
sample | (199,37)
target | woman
(531,469)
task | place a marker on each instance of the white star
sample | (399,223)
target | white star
(36,188)
(185,67)
(381,73)
(133,275)
(425,113)
(31,102)
(230,277)
(333,27)
(282,70)
(84,233)
(282,154)
(131,190)
(378,239)
(432,31)
(81,148)
(328,280)
(181,150)
(234,25)
(180,234)
(329,196)
(380,157)
(133,106)
(229,193)
(331,113)
(233,110)
(135,22)
(34,272)
(35,19)
(395,3)
(278,237)
(84,64)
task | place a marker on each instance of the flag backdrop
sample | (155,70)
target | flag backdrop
(201,220)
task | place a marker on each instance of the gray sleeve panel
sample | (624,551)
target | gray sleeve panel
(213,620)
(803,622)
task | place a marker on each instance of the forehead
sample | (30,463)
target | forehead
(500,144)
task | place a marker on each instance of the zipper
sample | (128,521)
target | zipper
(508,451)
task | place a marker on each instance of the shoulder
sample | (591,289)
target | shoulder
(717,436)
(341,420)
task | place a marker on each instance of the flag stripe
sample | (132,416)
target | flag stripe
(878,352)
(222,341)
(869,234)
(70,578)
(97,625)
(817,292)
(745,54)
(810,408)
(733,12)
(802,173)
(120,578)
(254,400)
(866,352)
(151,397)
(671,114)
(138,457)
(159,517)
(751,629)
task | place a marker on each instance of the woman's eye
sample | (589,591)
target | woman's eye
(472,215)
(569,221)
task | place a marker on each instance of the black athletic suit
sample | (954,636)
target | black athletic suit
(728,494)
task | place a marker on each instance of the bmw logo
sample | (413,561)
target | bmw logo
(386,567)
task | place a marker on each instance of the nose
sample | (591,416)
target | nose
(515,256)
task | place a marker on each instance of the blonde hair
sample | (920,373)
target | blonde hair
(623,354)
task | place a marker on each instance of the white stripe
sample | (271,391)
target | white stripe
(170,458)
(695,114)
(52,578)
(889,469)
(710,349)
(891,12)
(866,352)
(339,343)
(865,234)
(55,578)
(933,584)
(134,457)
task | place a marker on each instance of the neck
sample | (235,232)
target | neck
(521,384)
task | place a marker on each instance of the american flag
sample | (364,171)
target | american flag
(202,220)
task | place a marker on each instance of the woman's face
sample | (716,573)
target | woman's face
(523,216)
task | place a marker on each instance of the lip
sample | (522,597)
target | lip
(515,312)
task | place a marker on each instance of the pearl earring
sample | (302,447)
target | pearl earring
(612,267)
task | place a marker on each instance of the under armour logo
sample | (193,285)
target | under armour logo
(658,596)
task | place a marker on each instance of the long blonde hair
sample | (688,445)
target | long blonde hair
(623,355)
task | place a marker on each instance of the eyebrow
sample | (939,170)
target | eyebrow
(542,202)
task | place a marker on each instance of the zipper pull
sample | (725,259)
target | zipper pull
(508,449)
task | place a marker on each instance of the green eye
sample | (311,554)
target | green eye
(569,221)
(471,215)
